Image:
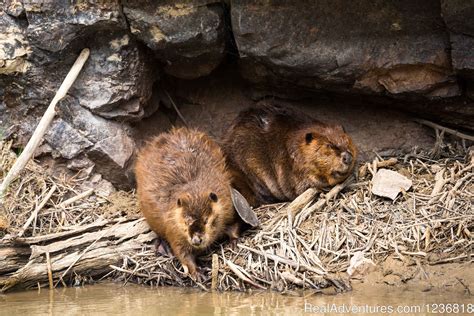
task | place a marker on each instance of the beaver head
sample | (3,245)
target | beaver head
(201,217)
(326,153)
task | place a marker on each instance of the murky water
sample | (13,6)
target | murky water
(115,299)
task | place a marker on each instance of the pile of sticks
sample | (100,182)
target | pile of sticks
(58,234)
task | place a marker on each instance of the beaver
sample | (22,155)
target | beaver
(275,153)
(183,188)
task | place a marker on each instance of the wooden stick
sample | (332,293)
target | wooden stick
(289,262)
(301,201)
(50,271)
(176,109)
(35,212)
(44,123)
(290,277)
(445,129)
(76,198)
(387,163)
(215,271)
(440,182)
(301,217)
(235,269)
(142,275)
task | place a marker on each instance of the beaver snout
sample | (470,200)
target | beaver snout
(196,240)
(346,157)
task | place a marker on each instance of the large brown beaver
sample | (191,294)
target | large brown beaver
(276,153)
(184,192)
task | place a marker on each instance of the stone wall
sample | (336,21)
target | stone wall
(417,53)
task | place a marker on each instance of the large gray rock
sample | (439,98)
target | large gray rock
(108,144)
(375,47)
(117,80)
(188,36)
(52,25)
(459,18)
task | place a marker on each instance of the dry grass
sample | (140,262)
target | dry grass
(288,251)
(47,202)
(306,243)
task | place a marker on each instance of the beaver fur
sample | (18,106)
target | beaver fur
(183,189)
(276,153)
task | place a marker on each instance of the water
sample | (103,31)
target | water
(115,299)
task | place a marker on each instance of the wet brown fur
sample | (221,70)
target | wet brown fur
(271,159)
(176,173)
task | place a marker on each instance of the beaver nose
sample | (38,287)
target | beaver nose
(346,157)
(196,240)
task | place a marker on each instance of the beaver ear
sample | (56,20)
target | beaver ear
(309,137)
(213,197)
(342,128)
(179,202)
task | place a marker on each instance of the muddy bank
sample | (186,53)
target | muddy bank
(455,278)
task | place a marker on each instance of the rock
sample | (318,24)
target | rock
(458,15)
(53,25)
(14,7)
(14,47)
(407,79)
(382,47)
(88,140)
(359,265)
(101,186)
(188,37)
(80,163)
(64,139)
(117,80)
(388,183)
(462,54)
(112,158)
(113,148)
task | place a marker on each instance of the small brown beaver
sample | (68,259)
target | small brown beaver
(276,153)
(184,192)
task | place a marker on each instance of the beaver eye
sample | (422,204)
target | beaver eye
(331,146)
(309,138)
(213,197)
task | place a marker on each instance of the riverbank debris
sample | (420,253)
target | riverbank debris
(360,265)
(389,183)
(307,243)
